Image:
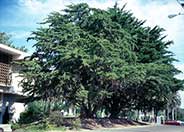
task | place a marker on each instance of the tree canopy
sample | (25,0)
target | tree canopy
(6,39)
(100,59)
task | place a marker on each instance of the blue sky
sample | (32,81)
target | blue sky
(20,17)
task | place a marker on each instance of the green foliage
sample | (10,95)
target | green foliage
(98,59)
(35,111)
(56,118)
(41,127)
(38,110)
(5,39)
(15,126)
(180,114)
(76,124)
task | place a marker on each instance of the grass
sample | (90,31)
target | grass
(60,129)
(37,128)
(40,130)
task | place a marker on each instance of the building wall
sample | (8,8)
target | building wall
(16,80)
(12,91)
(18,108)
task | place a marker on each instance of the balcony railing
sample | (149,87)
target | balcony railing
(5,78)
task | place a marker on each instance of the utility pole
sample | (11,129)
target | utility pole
(181,3)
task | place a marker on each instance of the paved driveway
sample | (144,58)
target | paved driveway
(147,129)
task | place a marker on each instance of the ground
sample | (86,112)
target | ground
(146,129)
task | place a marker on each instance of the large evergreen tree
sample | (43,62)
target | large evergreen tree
(100,59)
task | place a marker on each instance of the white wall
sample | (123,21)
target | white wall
(18,108)
(16,79)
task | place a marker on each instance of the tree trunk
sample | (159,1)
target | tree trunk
(114,115)
(86,113)
(114,112)
(173,114)
(138,115)
(155,115)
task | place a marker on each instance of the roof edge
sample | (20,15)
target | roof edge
(12,51)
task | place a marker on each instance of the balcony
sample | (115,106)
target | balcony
(5,78)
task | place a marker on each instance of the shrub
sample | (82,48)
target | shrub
(180,114)
(38,110)
(76,124)
(15,126)
(35,111)
(56,118)
(41,127)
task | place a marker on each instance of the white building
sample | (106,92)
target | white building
(11,104)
